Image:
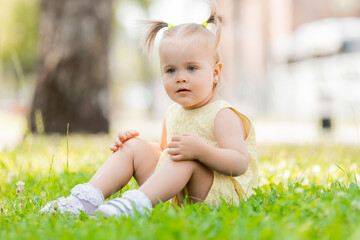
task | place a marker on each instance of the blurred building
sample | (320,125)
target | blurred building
(259,70)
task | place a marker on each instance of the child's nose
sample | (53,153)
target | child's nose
(181,78)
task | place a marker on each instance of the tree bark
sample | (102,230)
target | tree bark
(72,75)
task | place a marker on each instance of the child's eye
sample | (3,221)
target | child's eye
(170,70)
(191,68)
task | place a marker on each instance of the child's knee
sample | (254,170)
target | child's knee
(135,143)
(141,148)
(130,147)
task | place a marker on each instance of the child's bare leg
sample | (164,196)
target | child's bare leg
(136,158)
(172,177)
(169,180)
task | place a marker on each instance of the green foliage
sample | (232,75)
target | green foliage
(304,195)
(19,32)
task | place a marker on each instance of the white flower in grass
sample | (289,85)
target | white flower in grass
(306,172)
(269,167)
(353,167)
(340,194)
(340,180)
(305,181)
(276,181)
(332,168)
(355,204)
(286,174)
(282,164)
(263,181)
(20,184)
(20,187)
(3,210)
(299,190)
(316,169)
(357,179)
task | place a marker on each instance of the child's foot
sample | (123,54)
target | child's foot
(84,197)
(131,201)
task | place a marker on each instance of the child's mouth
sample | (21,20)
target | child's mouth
(183,90)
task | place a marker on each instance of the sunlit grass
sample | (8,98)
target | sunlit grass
(306,192)
(319,164)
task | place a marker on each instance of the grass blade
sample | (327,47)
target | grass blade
(67,148)
(51,164)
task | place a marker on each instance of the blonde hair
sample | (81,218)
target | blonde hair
(153,28)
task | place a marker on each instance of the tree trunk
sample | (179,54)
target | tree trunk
(72,77)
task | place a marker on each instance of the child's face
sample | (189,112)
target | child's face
(188,69)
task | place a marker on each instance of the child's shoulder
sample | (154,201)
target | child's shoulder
(228,108)
(229,113)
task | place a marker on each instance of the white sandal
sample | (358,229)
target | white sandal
(131,201)
(72,204)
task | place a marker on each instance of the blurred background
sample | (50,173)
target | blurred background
(292,66)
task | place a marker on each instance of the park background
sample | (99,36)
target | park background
(292,66)
(287,65)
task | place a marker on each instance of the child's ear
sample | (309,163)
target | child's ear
(217,69)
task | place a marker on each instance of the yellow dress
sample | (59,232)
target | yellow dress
(200,121)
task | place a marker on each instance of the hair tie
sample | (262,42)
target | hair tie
(205,23)
(170,26)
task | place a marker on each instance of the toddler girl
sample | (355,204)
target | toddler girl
(207,148)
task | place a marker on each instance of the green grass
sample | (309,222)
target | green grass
(306,192)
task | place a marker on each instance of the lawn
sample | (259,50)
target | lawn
(306,192)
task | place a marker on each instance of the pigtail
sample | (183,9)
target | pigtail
(216,20)
(153,28)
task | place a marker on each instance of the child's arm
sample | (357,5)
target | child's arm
(231,158)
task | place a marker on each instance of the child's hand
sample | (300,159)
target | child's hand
(185,147)
(122,138)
